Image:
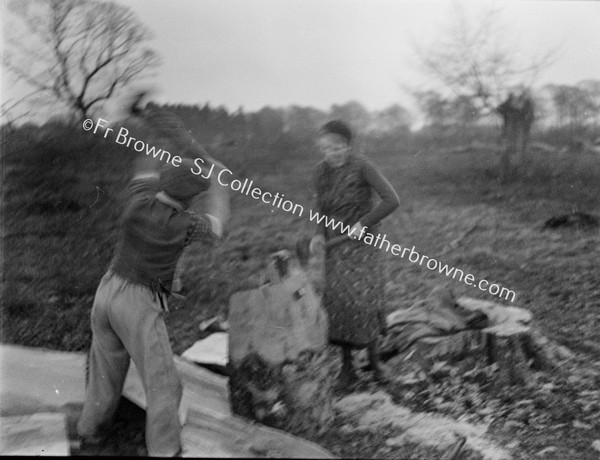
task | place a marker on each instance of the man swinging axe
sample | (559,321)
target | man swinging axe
(127,317)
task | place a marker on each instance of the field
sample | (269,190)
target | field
(61,204)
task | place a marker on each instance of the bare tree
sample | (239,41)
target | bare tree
(77,52)
(6,111)
(474,58)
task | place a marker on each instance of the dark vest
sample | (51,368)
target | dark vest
(151,240)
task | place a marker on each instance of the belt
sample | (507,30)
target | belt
(156,285)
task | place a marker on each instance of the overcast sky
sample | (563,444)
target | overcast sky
(253,53)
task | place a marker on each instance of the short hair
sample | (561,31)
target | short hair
(337,127)
(180,182)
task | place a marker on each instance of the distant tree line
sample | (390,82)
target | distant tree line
(572,106)
(219,127)
(557,106)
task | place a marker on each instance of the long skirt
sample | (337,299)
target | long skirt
(353,297)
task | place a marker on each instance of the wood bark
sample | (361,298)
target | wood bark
(278,352)
(510,341)
(517,115)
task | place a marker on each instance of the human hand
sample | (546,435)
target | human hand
(357,231)
(317,244)
(177,285)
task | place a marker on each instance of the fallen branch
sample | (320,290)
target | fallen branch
(454,243)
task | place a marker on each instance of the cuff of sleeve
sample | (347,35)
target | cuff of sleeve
(216,225)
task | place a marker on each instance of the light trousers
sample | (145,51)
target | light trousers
(127,321)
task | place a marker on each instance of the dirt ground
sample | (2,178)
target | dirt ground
(554,274)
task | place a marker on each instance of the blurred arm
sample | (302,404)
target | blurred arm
(144,164)
(217,201)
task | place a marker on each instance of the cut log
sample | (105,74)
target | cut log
(209,428)
(202,389)
(34,435)
(278,352)
(431,329)
(227,437)
(210,352)
(35,380)
(512,341)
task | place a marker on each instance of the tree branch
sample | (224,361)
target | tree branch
(95,48)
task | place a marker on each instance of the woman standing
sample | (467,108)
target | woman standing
(354,284)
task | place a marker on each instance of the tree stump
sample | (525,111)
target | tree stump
(509,340)
(278,337)
(517,114)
